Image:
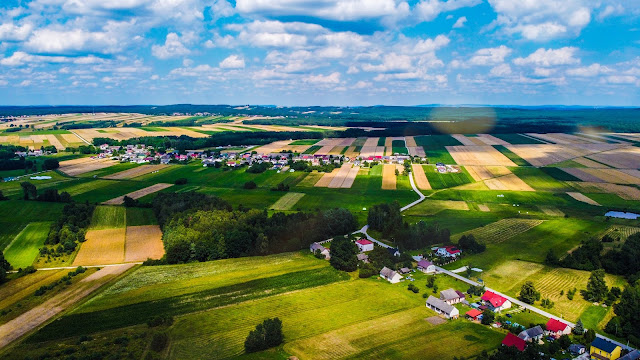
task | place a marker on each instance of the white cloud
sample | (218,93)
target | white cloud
(550,57)
(501,70)
(16,59)
(542,20)
(621,79)
(221,9)
(25,83)
(12,32)
(431,45)
(341,10)
(460,22)
(392,62)
(490,56)
(333,78)
(51,41)
(427,10)
(589,71)
(362,85)
(173,47)
(232,62)
(611,10)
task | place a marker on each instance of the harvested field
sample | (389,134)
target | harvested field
(53,140)
(478,155)
(37,316)
(351,177)
(624,192)
(389,177)
(287,201)
(142,243)
(613,176)
(420,177)
(137,171)
(102,247)
(71,138)
(479,173)
(547,154)
(623,158)
(325,150)
(551,210)
(342,174)
(581,197)
(501,230)
(508,182)
(410,141)
(589,163)
(491,140)
(582,175)
(388,142)
(351,152)
(278,146)
(483,208)
(84,165)
(371,142)
(326,179)
(432,207)
(561,138)
(337,150)
(311,179)
(621,232)
(416,151)
(464,140)
(138,193)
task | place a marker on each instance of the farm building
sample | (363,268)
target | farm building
(533,334)
(364,245)
(404,270)
(393,251)
(473,314)
(577,349)
(390,275)
(448,252)
(323,250)
(363,257)
(495,302)
(426,266)
(441,307)
(634,355)
(512,340)
(557,328)
(602,349)
(451,296)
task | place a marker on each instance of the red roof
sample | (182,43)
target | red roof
(555,325)
(495,299)
(452,249)
(512,340)
(474,313)
(364,242)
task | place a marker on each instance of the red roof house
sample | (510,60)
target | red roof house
(512,340)
(474,313)
(497,302)
(557,328)
(364,245)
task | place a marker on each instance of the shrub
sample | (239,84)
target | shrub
(50,164)
(249,185)
(367,271)
(159,341)
(181,181)
(266,335)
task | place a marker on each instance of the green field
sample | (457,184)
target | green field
(17,214)
(312,149)
(512,156)
(539,179)
(446,180)
(434,147)
(23,250)
(558,174)
(399,147)
(107,217)
(305,142)
(140,216)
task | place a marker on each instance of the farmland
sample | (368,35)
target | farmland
(24,248)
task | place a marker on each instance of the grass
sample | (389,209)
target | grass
(559,174)
(23,250)
(312,149)
(106,217)
(434,147)
(287,201)
(512,156)
(305,142)
(540,180)
(17,214)
(501,230)
(140,216)
(446,180)
(381,141)
(399,147)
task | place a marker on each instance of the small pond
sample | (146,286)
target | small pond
(622,215)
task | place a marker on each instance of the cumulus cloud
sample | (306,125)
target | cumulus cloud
(427,10)
(589,71)
(501,70)
(550,57)
(232,62)
(391,62)
(333,78)
(460,22)
(173,47)
(431,45)
(52,41)
(490,56)
(12,32)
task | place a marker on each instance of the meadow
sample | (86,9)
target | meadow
(446,180)
(23,250)
(434,147)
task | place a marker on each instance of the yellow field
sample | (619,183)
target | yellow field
(419,176)
(142,243)
(102,247)
(508,182)
(583,198)
(137,171)
(342,175)
(478,155)
(287,201)
(432,207)
(84,165)
(326,179)
(389,177)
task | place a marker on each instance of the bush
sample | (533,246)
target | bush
(159,341)
(250,185)
(367,270)
(266,335)
(181,181)
(50,164)
(160,320)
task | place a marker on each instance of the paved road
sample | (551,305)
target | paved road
(84,266)
(525,305)
(415,188)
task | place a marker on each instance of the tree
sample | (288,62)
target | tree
(487,317)
(266,335)
(50,164)
(249,185)
(551,258)
(181,181)
(4,267)
(589,336)
(2,197)
(29,190)
(468,243)
(528,293)
(596,287)
(367,270)
(627,311)
(344,254)
(579,329)
(129,202)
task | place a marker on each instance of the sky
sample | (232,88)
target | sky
(322,52)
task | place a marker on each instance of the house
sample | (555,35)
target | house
(390,275)
(426,266)
(602,349)
(474,314)
(451,296)
(404,270)
(393,251)
(449,252)
(495,302)
(512,340)
(533,334)
(323,250)
(557,328)
(577,349)
(634,355)
(364,245)
(363,257)
(441,307)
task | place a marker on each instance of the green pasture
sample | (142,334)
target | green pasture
(559,174)
(399,147)
(434,147)
(109,170)
(17,214)
(14,190)
(446,180)
(25,246)
(107,217)
(140,216)
(539,179)
(312,150)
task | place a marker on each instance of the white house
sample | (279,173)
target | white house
(533,334)
(390,275)
(364,245)
(448,252)
(451,296)
(495,302)
(323,250)
(557,328)
(426,266)
(441,307)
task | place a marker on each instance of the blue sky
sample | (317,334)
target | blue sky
(323,52)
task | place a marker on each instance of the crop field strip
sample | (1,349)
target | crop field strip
(102,247)
(431,207)
(326,179)
(508,182)
(623,191)
(84,165)
(389,177)
(135,172)
(287,201)
(582,198)
(138,193)
(142,243)
(547,154)
(24,248)
(501,230)
(478,155)
(420,177)
(615,176)
(621,232)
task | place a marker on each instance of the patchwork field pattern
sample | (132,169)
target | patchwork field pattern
(480,173)
(326,179)
(432,207)
(625,177)
(508,182)
(102,247)
(343,173)
(138,193)
(621,232)
(622,158)
(278,146)
(625,192)
(137,171)
(583,198)
(26,245)
(287,201)
(142,243)
(478,155)
(547,154)
(84,165)
(501,230)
